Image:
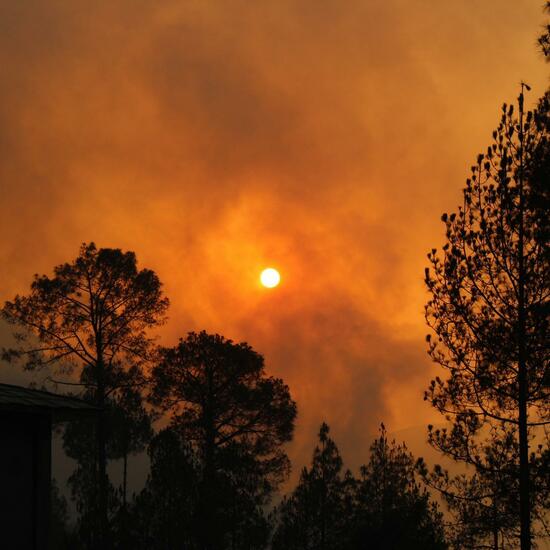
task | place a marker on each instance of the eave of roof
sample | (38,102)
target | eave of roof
(17,398)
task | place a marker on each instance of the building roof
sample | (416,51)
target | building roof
(19,399)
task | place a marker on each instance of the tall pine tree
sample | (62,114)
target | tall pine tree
(489,305)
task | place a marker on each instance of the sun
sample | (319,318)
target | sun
(270,277)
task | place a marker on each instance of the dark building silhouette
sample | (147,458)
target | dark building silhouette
(26,418)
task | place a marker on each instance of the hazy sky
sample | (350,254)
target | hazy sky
(214,138)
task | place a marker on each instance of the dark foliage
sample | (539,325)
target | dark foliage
(128,429)
(393,510)
(484,504)
(317,513)
(235,420)
(91,317)
(385,509)
(61,535)
(163,515)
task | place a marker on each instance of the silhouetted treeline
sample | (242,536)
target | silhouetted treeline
(385,507)
(217,463)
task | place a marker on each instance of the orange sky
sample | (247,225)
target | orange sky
(213,138)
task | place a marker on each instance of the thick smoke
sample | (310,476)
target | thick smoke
(217,137)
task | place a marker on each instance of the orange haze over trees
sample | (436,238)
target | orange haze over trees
(215,139)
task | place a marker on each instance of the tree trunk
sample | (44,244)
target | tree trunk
(124,516)
(524,501)
(125,481)
(209,511)
(101,443)
(495,535)
(495,520)
(102,471)
(323,502)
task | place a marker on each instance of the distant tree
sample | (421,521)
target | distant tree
(130,432)
(60,535)
(489,306)
(92,316)
(163,515)
(243,490)
(85,494)
(317,514)
(236,420)
(166,514)
(393,509)
(483,504)
(128,429)
(483,518)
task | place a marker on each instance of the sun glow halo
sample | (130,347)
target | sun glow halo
(270,277)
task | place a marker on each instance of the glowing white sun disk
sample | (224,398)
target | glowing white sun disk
(270,277)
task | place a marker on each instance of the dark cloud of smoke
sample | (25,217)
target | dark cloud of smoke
(217,137)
